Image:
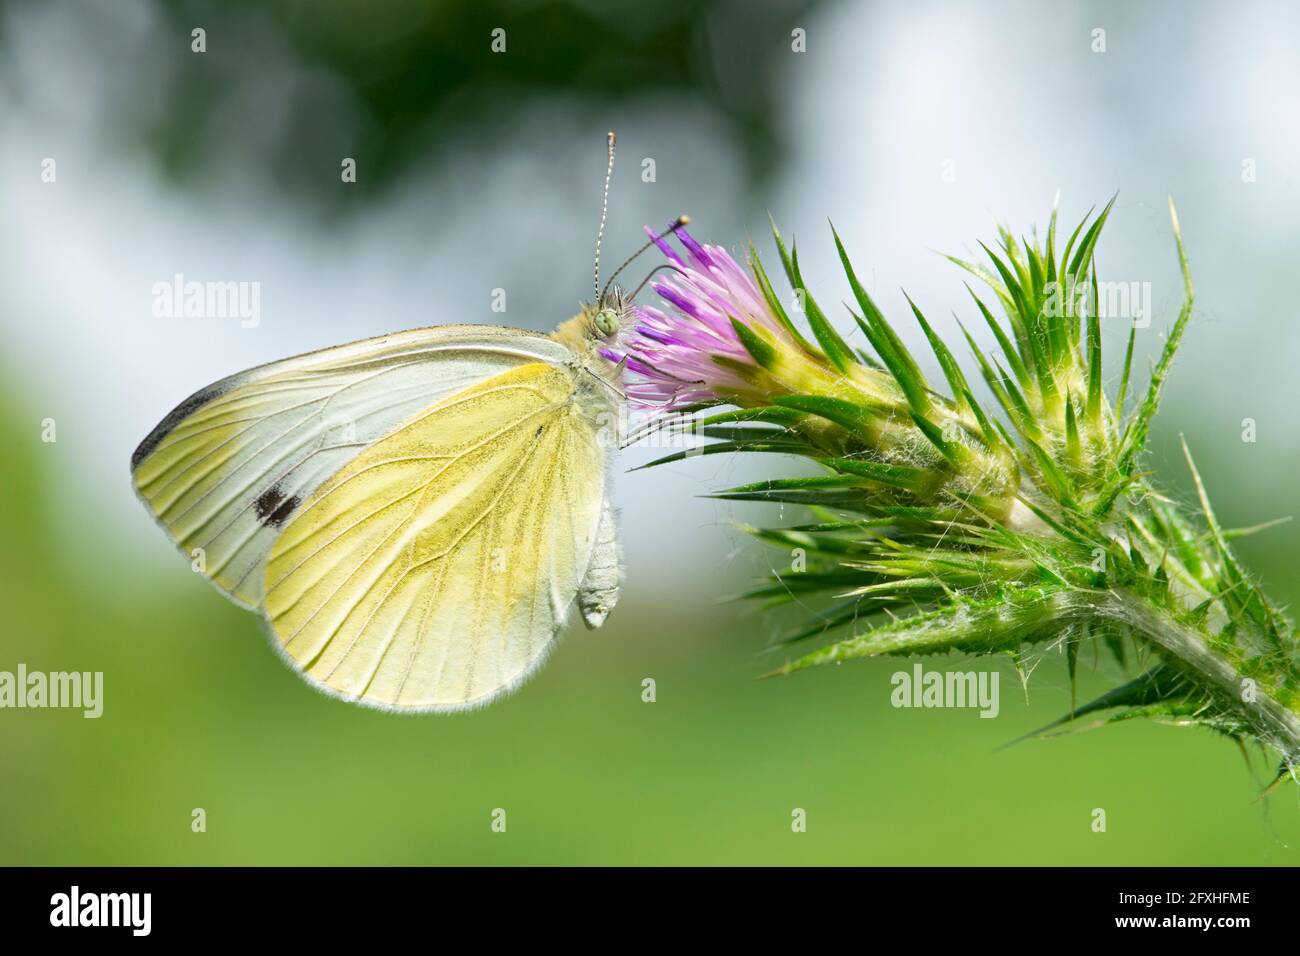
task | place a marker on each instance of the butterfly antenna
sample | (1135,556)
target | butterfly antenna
(604,210)
(676,224)
(650,275)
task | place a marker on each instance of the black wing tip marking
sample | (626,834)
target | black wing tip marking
(177,415)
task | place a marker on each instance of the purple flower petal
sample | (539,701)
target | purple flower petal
(666,249)
(697,251)
(670,353)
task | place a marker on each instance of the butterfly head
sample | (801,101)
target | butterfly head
(611,313)
(597,326)
(605,322)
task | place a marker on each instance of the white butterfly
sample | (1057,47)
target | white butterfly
(413,514)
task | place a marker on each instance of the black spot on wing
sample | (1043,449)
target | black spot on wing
(273,508)
(177,415)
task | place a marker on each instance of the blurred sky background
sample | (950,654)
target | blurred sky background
(914,126)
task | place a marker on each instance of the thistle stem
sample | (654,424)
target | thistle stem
(1187,649)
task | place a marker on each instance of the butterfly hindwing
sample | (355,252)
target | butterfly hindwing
(225,471)
(434,569)
(600,585)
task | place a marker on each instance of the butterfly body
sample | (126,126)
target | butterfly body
(413,515)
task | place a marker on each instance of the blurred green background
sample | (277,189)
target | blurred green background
(479,171)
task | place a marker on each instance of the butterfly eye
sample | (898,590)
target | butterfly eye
(606,321)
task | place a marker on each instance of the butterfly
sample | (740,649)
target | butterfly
(413,515)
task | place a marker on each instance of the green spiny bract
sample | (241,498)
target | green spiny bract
(940,524)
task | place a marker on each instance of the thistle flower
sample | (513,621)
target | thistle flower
(727,339)
(941,524)
(674,357)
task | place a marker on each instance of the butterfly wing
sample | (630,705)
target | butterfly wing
(434,569)
(227,468)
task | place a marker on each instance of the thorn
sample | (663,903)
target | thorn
(1182,252)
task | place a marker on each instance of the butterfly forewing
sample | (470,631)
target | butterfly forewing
(227,468)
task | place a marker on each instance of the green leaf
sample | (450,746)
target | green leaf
(883,339)
(1083,257)
(1093,412)
(1161,683)
(744,432)
(848,499)
(1135,438)
(951,371)
(846,612)
(1021,414)
(1042,362)
(771,414)
(1057,481)
(1050,253)
(1013,357)
(837,350)
(772,446)
(854,418)
(1123,380)
(900,476)
(1018,617)
(1073,446)
(761,352)
(952,451)
(774,303)
(1069,245)
(786,484)
(814,542)
(806,582)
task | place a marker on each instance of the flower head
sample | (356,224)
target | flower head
(722,337)
(674,355)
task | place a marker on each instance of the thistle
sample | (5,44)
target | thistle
(942,522)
